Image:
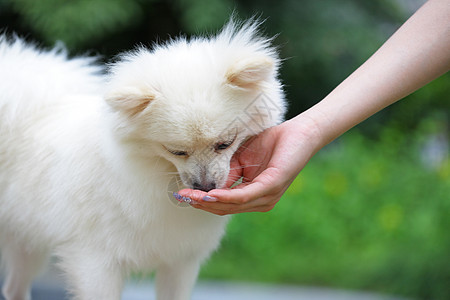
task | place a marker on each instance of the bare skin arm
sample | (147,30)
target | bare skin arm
(415,55)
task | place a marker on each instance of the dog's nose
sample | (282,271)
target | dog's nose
(206,187)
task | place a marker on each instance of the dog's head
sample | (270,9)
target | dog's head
(194,102)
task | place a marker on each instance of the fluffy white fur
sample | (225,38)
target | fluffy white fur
(85,165)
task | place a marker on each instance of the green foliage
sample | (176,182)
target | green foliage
(362,215)
(77,22)
(199,16)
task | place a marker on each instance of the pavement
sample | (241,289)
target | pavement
(226,290)
(50,287)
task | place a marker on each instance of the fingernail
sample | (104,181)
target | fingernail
(178,196)
(184,199)
(209,199)
(188,200)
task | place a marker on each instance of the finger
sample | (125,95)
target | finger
(243,193)
(266,183)
(211,210)
(228,209)
(195,195)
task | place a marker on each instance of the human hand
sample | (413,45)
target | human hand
(268,163)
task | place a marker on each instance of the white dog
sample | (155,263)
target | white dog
(87,160)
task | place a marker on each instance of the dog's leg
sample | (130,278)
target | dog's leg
(91,276)
(175,282)
(21,267)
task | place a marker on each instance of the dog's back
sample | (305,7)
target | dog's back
(31,79)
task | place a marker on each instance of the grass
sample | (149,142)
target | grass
(363,214)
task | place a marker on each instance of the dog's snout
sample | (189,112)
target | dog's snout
(206,187)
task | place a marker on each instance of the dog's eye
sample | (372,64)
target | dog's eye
(178,153)
(223,146)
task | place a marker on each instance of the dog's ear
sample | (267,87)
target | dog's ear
(246,73)
(130,100)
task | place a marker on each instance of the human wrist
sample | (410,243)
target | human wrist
(309,128)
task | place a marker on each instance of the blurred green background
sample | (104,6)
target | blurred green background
(372,210)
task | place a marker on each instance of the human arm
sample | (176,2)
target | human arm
(416,54)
